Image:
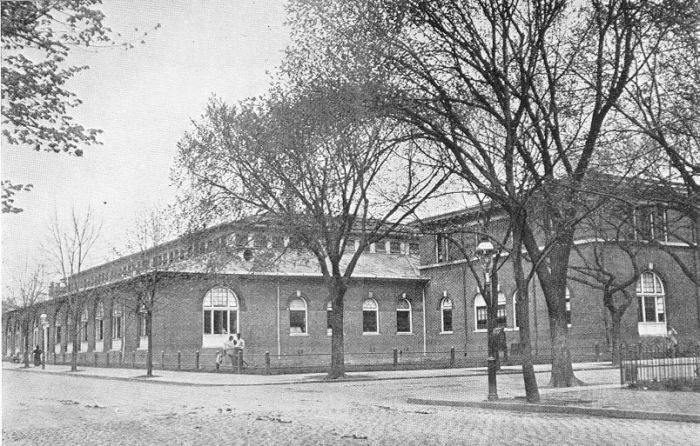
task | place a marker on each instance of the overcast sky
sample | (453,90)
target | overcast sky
(143,100)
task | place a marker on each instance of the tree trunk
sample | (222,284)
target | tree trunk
(149,351)
(562,368)
(76,342)
(337,291)
(522,309)
(25,357)
(616,337)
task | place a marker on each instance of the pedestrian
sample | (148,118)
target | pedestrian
(219,360)
(37,356)
(672,342)
(230,349)
(240,346)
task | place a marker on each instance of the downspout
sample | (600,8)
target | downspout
(425,329)
(466,307)
(279,344)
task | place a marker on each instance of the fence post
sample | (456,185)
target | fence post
(133,359)
(63,358)
(179,360)
(267,363)
(162,359)
(196,360)
(121,358)
(54,358)
(452,356)
(622,369)
(240,361)
(107,360)
(396,358)
(95,359)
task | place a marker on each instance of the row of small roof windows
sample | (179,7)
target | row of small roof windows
(236,241)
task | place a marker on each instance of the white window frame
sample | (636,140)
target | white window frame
(232,309)
(410,316)
(303,307)
(567,307)
(657,293)
(502,301)
(444,307)
(83,331)
(515,312)
(367,306)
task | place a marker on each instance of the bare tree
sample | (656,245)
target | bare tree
(318,163)
(26,291)
(69,245)
(144,290)
(519,95)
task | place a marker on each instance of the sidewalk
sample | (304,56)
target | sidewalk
(604,397)
(226,378)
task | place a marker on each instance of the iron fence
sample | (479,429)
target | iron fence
(649,365)
(205,360)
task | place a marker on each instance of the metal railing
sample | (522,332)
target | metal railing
(646,365)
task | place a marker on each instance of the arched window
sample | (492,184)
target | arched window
(297,316)
(329,309)
(446,315)
(404,322)
(481,312)
(58,332)
(220,310)
(567,298)
(651,306)
(99,322)
(84,329)
(515,311)
(370,316)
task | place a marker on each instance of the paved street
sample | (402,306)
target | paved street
(62,409)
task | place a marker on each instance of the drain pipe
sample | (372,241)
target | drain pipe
(279,345)
(425,329)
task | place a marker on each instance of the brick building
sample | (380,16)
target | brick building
(413,294)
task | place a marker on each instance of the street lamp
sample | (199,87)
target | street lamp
(485,252)
(44,325)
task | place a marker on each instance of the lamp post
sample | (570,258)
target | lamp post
(484,253)
(44,327)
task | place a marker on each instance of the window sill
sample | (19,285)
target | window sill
(404,333)
(370,333)
(512,328)
(447,332)
(298,334)
(480,330)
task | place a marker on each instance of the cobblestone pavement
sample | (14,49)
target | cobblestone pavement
(59,409)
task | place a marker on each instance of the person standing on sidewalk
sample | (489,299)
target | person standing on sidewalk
(240,346)
(230,350)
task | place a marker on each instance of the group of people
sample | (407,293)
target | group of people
(233,350)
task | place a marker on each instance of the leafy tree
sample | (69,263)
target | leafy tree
(37,38)
(317,162)
(520,96)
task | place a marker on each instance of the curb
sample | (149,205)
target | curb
(143,379)
(570,410)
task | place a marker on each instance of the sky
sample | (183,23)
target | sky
(144,100)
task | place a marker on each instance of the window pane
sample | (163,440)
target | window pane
(297,305)
(380,247)
(207,322)
(446,320)
(501,319)
(369,321)
(233,321)
(395,247)
(328,320)
(58,334)
(220,321)
(297,321)
(660,311)
(649,310)
(403,321)
(481,318)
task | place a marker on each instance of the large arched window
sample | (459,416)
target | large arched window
(370,316)
(84,329)
(404,322)
(220,316)
(651,305)
(446,315)
(297,316)
(481,312)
